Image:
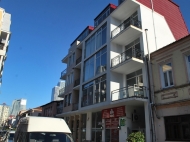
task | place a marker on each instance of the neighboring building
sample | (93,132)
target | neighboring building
(17,106)
(171,81)
(4,113)
(5,22)
(106,96)
(55,91)
(52,109)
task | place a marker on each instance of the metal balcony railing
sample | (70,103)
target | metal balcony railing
(61,91)
(63,72)
(126,55)
(75,106)
(77,82)
(129,92)
(78,60)
(125,25)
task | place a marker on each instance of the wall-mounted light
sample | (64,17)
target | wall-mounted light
(119,127)
(102,128)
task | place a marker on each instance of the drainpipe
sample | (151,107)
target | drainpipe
(147,59)
(152,7)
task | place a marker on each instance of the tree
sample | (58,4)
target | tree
(136,137)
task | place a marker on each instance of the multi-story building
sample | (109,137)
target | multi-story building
(17,106)
(53,108)
(5,22)
(171,78)
(107,95)
(4,113)
(55,91)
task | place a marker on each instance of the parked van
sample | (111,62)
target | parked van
(42,129)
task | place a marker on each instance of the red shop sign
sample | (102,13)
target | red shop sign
(113,112)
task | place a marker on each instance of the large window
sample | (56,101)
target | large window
(96,41)
(65,101)
(167,75)
(69,99)
(177,128)
(135,78)
(94,92)
(96,126)
(95,65)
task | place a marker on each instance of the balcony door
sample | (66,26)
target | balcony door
(134,78)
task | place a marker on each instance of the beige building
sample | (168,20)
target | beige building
(5,22)
(171,83)
(4,113)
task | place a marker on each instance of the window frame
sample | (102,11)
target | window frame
(168,76)
(188,66)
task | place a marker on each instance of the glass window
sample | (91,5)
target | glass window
(69,99)
(177,128)
(135,78)
(88,69)
(65,100)
(167,75)
(96,126)
(188,65)
(94,92)
(101,58)
(83,126)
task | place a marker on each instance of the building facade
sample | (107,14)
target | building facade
(171,81)
(17,106)
(4,113)
(52,109)
(5,22)
(55,91)
(106,94)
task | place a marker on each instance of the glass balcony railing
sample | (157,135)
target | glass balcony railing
(125,25)
(126,55)
(63,73)
(129,92)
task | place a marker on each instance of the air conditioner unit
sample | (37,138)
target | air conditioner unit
(135,117)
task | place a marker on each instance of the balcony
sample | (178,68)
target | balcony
(126,7)
(128,61)
(78,60)
(126,31)
(61,92)
(63,74)
(77,82)
(129,92)
(75,106)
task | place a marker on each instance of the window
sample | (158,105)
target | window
(177,128)
(167,75)
(96,41)
(83,127)
(69,99)
(135,78)
(101,58)
(96,126)
(73,58)
(94,92)
(98,61)
(66,101)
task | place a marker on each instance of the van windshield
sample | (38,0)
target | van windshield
(48,137)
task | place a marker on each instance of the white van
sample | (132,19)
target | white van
(42,129)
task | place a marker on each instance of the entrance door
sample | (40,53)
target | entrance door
(112,135)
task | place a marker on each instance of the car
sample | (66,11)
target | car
(42,129)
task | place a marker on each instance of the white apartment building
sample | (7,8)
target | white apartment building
(107,95)
(5,22)
(56,89)
(4,113)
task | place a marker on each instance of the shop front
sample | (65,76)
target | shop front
(113,121)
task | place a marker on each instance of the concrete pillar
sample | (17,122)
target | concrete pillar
(147,122)
(88,126)
(103,130)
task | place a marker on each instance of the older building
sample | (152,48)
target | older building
(5,22)
(106,96)
(52,109)
(171,83)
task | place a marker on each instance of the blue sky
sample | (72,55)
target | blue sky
(42,31)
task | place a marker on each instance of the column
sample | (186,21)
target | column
(147,122)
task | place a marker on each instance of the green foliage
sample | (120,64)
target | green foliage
(136,137)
